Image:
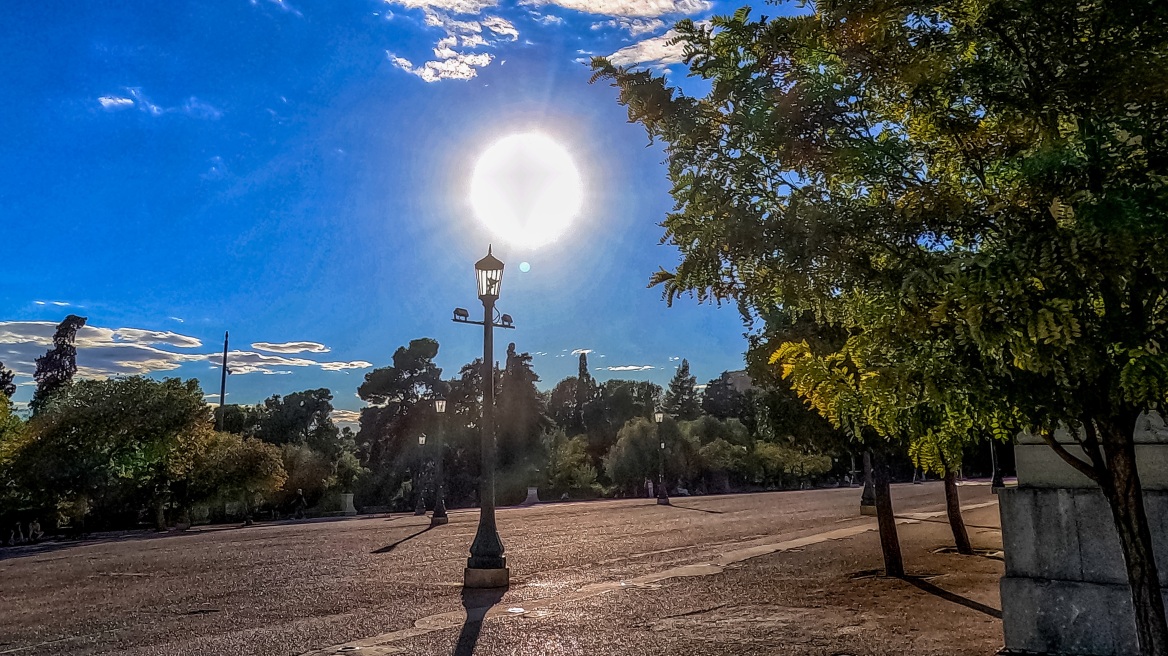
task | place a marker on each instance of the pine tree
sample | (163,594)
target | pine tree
(586,389)
(681,399)
(7,387)
(55,369)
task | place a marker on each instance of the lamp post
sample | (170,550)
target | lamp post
(439,517)
(420,509)
(662,495)
(487,565)
(997,481)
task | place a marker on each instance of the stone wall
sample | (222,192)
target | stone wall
(1065,589)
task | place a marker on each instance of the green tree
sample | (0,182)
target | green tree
(399,409)
(561,405)
(520,418)
(569,468)
(681,397)
(237,468)
(721,400)
(55,369)
(634,457)
(120,445)
(997,168)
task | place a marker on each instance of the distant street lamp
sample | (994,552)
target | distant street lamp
(487,565)
(420,509)
(662,495)
(439,517)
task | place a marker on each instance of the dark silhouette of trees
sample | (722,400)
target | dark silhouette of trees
(55,369)
(721,400)
(7,386)
(521,421)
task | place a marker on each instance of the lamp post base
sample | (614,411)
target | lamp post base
(438,520)
(474,577)
(663,501)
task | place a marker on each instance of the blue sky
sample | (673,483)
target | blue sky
(296,172)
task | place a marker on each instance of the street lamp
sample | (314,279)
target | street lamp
(487,565)
(439,517)
(662,495)
(420,509)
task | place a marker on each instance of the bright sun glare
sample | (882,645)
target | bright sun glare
(526,189)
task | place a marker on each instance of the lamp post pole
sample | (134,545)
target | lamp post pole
(439,517)
(420,509)
(662,494)
(487,565)
(997,481)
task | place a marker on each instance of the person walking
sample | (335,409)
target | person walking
(301,503)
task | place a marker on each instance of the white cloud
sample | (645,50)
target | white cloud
(352,417)
(642,8)
(341,366)
(630,367)
(655,51)
(178,319)
(456,67)
(115,102)
(501,26)
(581,351)
(549,19)
(291,347)
(634,26)
(156,337)
(452,6)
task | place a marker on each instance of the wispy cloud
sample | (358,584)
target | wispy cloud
(629,367)
(455,55)
(104,352)
(349,417)
(57,303)
(291,347)
(655,51)
(634,26)
(115,102)
(581,351)
(135,98)
(643,8)
(341,366)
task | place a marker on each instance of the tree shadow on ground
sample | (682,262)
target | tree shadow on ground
(712,512)
(390,547)
(924,585)
(477,604)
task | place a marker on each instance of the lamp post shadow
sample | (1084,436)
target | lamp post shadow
(477,602)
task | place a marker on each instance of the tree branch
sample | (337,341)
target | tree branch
(1079,464)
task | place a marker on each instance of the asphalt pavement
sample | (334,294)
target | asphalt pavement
(587,578)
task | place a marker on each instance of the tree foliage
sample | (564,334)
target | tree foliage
(992,174)
(681,397)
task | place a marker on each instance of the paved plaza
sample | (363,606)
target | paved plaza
(768,573)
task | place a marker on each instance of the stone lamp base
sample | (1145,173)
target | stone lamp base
(486,578)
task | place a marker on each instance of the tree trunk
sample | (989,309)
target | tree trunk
(953,509)
(889,542)
(1121,487)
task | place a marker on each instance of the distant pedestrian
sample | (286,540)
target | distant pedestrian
(301,503)
(34,531)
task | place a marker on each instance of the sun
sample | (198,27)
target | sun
(526,189)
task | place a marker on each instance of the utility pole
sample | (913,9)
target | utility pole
(222,384)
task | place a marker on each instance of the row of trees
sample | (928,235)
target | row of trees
(946,221)
(582,437)
(98,454)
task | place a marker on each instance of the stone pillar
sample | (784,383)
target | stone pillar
(532,497)
(1065,589)
(347,505)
